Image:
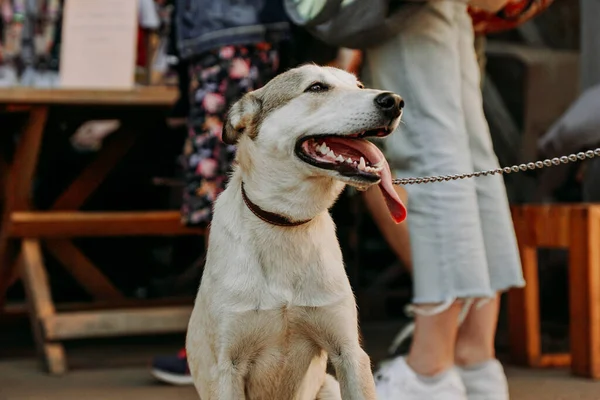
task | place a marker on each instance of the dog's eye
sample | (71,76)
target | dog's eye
(360,85)
(317,87)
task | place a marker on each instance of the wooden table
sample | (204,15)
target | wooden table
(575,227)
(24,230)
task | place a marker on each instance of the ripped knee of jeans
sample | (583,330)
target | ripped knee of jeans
(430,310)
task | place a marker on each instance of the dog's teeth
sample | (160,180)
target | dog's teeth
(339,158)
(349,160)
(331,154)
(324,149)
(362,164)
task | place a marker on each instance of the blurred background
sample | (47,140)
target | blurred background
(97,272)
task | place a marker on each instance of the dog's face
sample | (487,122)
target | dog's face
(314,120)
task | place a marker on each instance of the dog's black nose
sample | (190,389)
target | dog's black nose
(391,104)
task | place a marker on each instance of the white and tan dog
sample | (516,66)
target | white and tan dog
(275,301)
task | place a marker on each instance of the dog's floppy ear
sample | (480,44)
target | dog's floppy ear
(242,118)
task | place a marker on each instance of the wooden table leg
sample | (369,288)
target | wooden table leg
(584,293)
(524,304)
(18,191)
(40,304)
(76,263)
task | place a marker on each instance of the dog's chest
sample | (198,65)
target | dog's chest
(306,271)
(270,271)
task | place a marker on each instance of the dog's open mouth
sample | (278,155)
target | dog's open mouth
(354,157)
(349,155)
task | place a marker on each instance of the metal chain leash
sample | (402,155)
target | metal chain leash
(549,162)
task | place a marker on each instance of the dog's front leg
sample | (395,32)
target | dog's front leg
(337,331)
(353,371)
(230,383)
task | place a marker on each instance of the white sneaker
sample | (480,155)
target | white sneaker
(485,382)
(395,380)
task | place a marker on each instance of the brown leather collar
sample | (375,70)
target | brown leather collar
(269,217)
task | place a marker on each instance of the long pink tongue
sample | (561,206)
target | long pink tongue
(374,155)
(395,205)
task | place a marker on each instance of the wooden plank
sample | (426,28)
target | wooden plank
(66,224)
(25,159)
(524,304)
(545,225)
(584,293)
(141,96)
(115,148)
(551,226)
(40,304)
(83,270)
(18,191)
(78,325)
(559,360)
(19,310)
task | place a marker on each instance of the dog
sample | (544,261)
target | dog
(275,301)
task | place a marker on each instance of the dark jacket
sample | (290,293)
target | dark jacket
(203,25)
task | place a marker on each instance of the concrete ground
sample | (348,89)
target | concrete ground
(22,380)
(119,370)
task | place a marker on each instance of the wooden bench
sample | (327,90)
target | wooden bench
(23,230)
(576,228)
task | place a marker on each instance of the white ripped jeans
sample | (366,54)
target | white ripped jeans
(462,237)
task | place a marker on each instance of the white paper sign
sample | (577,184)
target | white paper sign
(98,49)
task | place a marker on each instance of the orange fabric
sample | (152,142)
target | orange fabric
(351,64)
(514,13)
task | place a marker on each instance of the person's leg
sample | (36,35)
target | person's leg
(480,372)
(396,235)
(475,353)
(397,346)
(423,65)
(435,332)
(476,338)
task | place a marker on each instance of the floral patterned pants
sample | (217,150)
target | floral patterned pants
(218,79)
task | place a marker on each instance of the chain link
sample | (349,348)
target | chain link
(549,162)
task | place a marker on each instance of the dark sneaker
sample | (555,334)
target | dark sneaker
(172,369)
